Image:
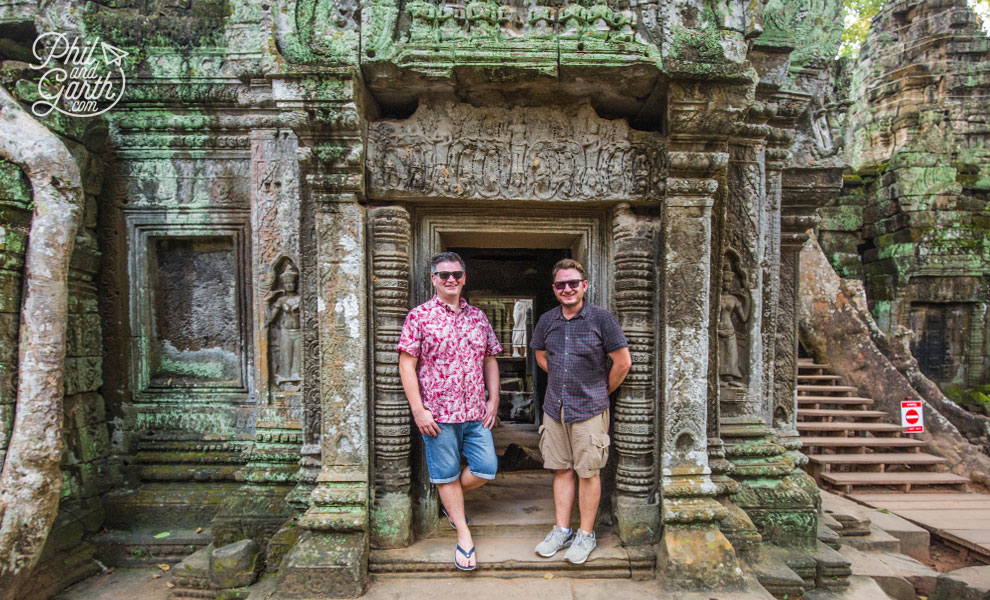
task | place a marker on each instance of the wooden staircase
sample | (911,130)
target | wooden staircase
(849,445)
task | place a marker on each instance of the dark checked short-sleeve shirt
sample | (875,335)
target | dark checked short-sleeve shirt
(577,360)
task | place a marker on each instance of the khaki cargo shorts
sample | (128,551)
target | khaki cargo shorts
(582,446)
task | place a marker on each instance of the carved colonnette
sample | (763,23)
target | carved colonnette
(634,236)
(695,548)
(331,556)
(391,517)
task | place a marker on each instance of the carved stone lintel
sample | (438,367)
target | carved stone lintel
(391,517)
(637,512)
(569,155)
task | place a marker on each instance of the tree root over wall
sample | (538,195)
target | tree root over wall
(838,329)
(31,480)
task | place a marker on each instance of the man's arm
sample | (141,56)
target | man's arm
(410,384)
(621,363)
(541,359)
(490,371)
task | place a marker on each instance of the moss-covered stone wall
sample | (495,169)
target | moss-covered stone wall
(913,220)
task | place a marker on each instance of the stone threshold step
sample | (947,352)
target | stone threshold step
(838,413)
(117,548)
(513,557)
(818,377)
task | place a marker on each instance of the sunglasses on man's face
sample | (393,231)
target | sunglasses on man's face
(444,275)
(573,284)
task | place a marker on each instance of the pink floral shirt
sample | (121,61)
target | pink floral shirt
(451,348)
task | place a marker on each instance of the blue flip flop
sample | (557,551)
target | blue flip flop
(443,510)
(465,555)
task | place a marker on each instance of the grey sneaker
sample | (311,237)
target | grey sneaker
(555,540)
(581,548)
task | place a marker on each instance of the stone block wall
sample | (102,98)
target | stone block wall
(86,469)
(913,220)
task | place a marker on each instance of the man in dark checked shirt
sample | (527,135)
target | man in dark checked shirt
(574,344)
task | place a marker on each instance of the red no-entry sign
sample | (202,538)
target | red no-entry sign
(912,416)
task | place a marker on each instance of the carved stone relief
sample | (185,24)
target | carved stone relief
(735,310)
(457,151)
(284,326)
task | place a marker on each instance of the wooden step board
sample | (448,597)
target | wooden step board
(903,480)
(878,458)
(855,400)
(851,427)
(831,389)
(821,377)
(860,441)
(836,413)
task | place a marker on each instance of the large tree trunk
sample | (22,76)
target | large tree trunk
(30,481)
(837,327)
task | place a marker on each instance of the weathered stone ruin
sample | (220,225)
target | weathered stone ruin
(912,219)
(260,207)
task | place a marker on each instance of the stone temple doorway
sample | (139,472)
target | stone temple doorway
(509,256)
(508,259)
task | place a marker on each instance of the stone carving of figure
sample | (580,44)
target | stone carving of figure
(283,324)
(519,309)
(734,309)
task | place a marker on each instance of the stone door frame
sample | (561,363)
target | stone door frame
(618,249)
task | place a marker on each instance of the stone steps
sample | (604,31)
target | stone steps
(511,557)
(142,547)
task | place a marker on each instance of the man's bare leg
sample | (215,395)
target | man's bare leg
(563,496)
(470,482)
(452,497)
(589,494)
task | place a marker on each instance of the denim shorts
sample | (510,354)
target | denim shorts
(443,453)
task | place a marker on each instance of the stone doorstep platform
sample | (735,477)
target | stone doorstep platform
(509,517)
(961,520)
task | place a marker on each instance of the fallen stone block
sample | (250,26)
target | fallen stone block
(235,565)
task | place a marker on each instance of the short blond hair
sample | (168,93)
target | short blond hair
(567,263)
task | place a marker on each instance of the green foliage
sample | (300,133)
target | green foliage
(857,15)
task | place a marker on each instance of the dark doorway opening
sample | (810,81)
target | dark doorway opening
(512,286)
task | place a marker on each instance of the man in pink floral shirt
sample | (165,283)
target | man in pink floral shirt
(446,362)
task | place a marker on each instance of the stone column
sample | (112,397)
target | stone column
(391,516)
(331,556)
(695,547)
(257,509)
(637,509)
